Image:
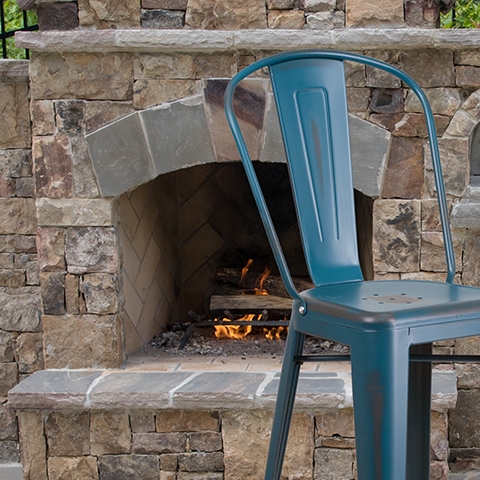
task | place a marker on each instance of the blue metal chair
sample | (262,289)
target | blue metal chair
(389,325)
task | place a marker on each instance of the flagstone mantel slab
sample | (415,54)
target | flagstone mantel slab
(184,40)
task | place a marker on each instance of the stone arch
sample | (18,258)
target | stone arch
(139,147)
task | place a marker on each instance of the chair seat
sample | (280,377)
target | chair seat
(392,304)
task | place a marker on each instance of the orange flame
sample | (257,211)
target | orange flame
(273,333)
(245,270)
(238,332)
(261,282)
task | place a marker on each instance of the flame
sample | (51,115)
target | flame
(238,332)
(273,333)
(261,282)
(245,270)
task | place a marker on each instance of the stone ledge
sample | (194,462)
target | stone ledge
(14,68)
(195,390)
(184,40)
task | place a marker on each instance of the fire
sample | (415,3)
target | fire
(239,332)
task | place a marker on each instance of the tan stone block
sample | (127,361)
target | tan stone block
(20,312)
(53,166)
(439,447)
(444,101)
(84,179)
(462,124)
(15,131)
(51,249)
(358,99)
(471,262)
(73,301)
(467,346)
(101,293)
(43,117)
(8,377)
(431,215)
(472,105)
(30,352)
(8,423)
(335,422)
(12,278)
(67,433)
(334,464)
(467,57)
(409,124)
(109,13)
(109,433)
(159,443)
(430,68)
(165,4)
(187,421)
(18,216)
(78,212)
(467,76)
(169,462)
(97,342)
(91,76)
(16,163)
(33,449)
(162,65)
(98,113)
(226,15)
(374,14)
(245,438)
(290,19)
(142,421)
(72,468)
(7,346)
(433,252)
(215,65)
(206,441)
(149,92)
(396,235)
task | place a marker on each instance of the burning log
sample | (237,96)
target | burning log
(251,303)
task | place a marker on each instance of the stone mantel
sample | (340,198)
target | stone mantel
(145,40)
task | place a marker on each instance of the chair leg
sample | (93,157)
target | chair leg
(380,363)
(284,405)
(419,406)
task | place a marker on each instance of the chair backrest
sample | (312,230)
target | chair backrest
(310,95)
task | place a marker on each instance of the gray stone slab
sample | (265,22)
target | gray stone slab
(272,149)
(466,215)
(120,156)
(444,389)
(178,135)
(11,471)
(53,389)
(315,390)
(136,389)
(370,145)
(224,390)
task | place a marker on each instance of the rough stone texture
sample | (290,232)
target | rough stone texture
(165,4)
(91,250)
(439,447)
(53,292)
(43,117)
(32,439)
(159,443)
(386,100)
(462,124)
(421,13)
(187,421)
(74,303)
(17,216)
(430,68)
(245,438)
(325,20)
(8,423)
(164,19)
(51,249)
(101,292)
(317,5)
(455,166)
(15,132)
(433,253)
(109,433)
(444,101)
(98,113)
(142,421)
(8,377)
(468,375)
(20,312)
(15,163)
(396,236)
(333,464)
(201,462)
(291,19)
(467,346)
(53,166)
(374,14)
(128,467)
(331,423)
(467,76)
(206,441)
(93,212)
(97,342)
(72,468)
(92,76)
(281,4)
(409,124)
(7,346)
(226,15)
(109,13)
(464,427)
(30,352)
(67,434)
(148,92)
(57,16)
(404,174)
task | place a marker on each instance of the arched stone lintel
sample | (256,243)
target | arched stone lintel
(137,148)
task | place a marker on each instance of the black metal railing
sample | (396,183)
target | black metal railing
(6,34)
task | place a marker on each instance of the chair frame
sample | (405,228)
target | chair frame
(408,387)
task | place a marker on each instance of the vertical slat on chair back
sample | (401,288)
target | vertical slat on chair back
(311,101)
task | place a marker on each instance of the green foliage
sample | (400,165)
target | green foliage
(14,21)
(466,14)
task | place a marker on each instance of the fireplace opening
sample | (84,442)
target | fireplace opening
(182,231)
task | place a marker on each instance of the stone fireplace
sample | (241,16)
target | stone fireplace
(119,200)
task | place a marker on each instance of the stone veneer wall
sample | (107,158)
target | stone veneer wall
(66,309)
